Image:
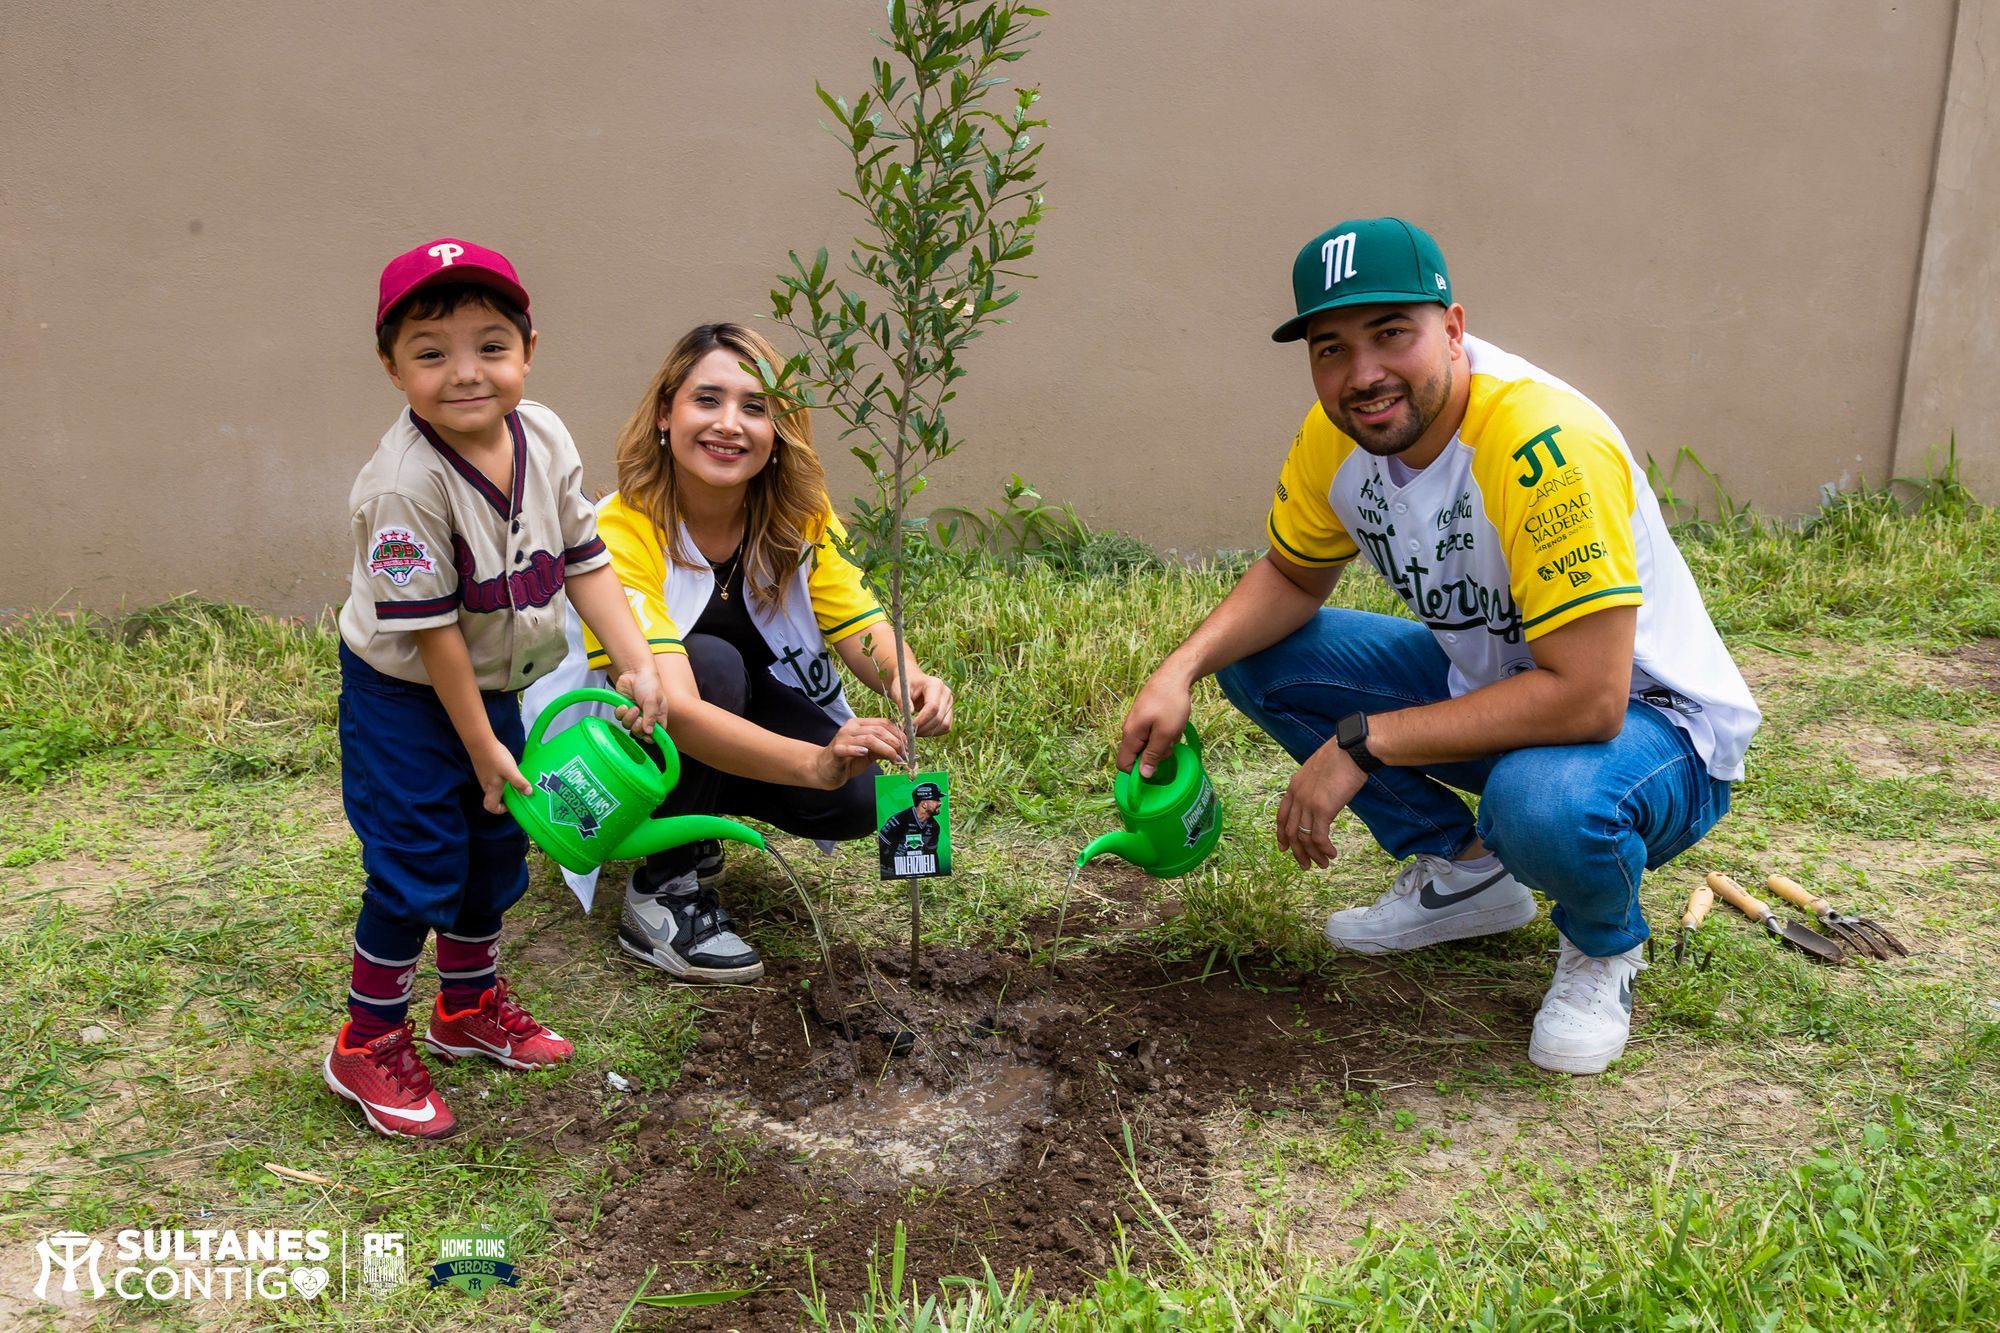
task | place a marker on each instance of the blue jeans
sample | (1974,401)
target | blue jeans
(1581,823)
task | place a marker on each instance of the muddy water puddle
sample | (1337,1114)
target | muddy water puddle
(902,1132)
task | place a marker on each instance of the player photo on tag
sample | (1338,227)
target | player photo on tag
(913,825)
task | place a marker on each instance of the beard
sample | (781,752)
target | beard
(1421,405)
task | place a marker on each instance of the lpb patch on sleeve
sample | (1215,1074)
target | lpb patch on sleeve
(397,556)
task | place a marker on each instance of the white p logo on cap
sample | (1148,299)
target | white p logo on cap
(445,252)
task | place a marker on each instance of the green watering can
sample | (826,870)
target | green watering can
(596,790)
(1172,819)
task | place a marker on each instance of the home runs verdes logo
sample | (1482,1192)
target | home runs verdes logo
(473,1261)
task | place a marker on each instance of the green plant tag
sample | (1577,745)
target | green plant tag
(913,824)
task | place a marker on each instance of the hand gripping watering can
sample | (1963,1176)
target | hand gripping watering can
(1172,819)
(596,790)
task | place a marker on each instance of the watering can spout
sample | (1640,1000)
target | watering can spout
(1120,843)
(657,835)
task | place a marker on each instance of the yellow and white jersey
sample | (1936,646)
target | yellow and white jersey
(1533,516)
(825,603)
(665,598)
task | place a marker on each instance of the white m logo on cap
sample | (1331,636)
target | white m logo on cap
(445,253)
(1338,254)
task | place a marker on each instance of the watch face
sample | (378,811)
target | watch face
(1351,730)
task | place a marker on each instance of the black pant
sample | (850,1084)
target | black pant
(757,696)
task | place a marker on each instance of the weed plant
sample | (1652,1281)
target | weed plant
(1915,560)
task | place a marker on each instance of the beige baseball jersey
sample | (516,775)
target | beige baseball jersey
(436,542)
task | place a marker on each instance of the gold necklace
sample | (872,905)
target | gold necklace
(726,571)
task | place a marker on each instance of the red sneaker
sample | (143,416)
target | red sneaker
(499,1029)
(387,1079)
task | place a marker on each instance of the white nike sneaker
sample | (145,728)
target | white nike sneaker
(1434,900)
(1587,1014)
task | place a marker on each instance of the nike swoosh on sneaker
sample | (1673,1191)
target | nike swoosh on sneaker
(1432,899)
(655,914)
(1625,994)
(430,1112)
(502,1051)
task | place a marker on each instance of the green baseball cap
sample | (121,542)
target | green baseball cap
(1366,261)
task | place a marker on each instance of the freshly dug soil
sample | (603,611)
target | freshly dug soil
(998,1136)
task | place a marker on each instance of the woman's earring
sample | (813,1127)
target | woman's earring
(663,437)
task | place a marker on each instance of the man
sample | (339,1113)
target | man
(912,833)
(1561,663)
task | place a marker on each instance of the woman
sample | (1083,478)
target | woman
(722,533)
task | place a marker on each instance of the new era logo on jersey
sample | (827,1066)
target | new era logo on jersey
(1578,577)
(397,555)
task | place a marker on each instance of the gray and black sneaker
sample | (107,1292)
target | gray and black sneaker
(683,929)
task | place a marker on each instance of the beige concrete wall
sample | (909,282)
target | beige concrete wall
(1707,214)
(1953,386)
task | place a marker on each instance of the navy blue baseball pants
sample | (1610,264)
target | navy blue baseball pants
(434,857)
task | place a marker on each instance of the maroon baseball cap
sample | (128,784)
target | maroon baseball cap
(447,260)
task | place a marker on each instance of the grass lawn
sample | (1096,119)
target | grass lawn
(1783,1146)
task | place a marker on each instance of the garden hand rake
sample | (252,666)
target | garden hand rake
(1857,933)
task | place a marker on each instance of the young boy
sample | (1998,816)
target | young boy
(469,524)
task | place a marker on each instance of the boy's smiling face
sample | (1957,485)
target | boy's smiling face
(463,372)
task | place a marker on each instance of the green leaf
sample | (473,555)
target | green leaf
(837,105)
(683,1299)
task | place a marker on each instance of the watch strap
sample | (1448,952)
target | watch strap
(1352,735)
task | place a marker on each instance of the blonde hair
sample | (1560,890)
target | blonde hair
(786,500)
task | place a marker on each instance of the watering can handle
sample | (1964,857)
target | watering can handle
(1123,778)
(670,758)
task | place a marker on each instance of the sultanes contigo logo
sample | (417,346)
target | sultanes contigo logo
(69,1252)
(396,555)
(212,1264)
(201,1264)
